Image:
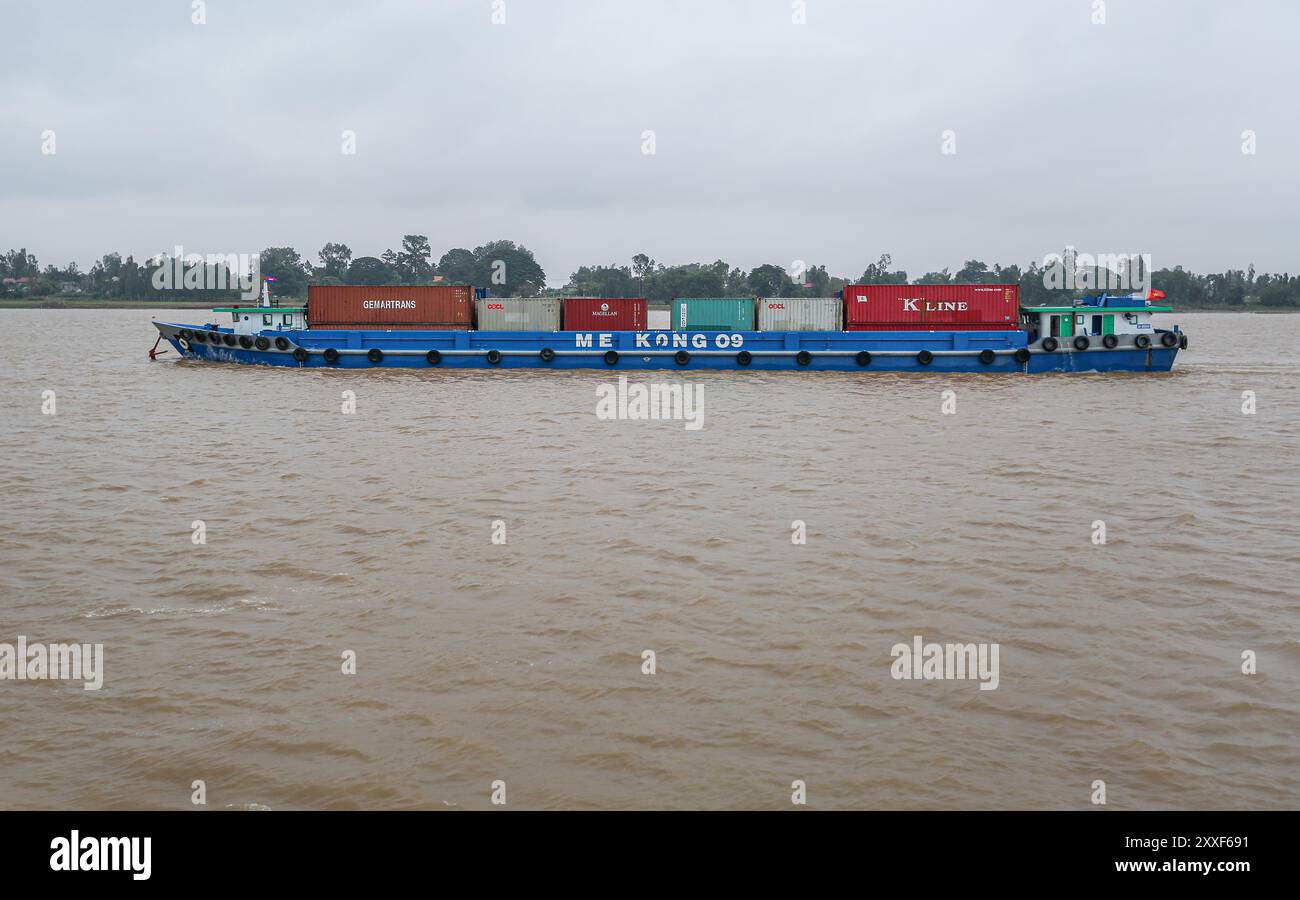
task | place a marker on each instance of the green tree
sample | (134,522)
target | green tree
(334,260)
(769,281)
(289,270)
(458,266)
(368,270)
(508,269)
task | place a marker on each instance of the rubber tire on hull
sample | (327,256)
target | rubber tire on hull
(987,357)
(924,358)
(1022,356)
(281,343)
(1050,344)
(230,339)
(744,358)
(375,355)
(1142,342)
(262,344)
(547,354)
(494,357)
(682,358)
(611,358)
(246,342)
(1168,339)
(331,355)
(1182,342)
(186,334)
(200,337)
(299,354)
(803,357)
(1110,342)
(433,357)
(1082,343)
(863,358)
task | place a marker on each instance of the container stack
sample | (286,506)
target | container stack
(800,314)
(506,314)
(604,314)
(434,307)
(713,314)
(931,307)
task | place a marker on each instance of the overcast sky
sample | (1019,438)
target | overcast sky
(774,141)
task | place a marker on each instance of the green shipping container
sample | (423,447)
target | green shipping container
(713,314)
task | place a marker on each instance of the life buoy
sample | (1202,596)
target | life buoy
(611,358)
(331,355)
(1050,344)
(1022,355)
(299,354)
(987,356)
(803,357)
(182,343)
(1110,342)
(434,357)
(1168,339)
(1142,342)
(925,357)
(682,358)
(863,358)
(230,339)
(744,358)
(375,355)
(281,343)
(547,354)
(1082,343)
(494,357)
(262,343)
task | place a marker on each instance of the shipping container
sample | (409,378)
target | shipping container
(713,314)
(422,305)
(505,314)
(391,326)
(604,314)
(659,320)
(931,307)
(800,314)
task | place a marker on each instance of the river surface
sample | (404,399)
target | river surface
(522,662)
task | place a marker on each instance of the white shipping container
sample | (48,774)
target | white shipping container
(800,314)
(659,319)
(504,314)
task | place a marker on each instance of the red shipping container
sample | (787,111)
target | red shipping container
(420,305)
(931,307)
(618,314)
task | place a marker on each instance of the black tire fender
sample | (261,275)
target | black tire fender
(547,354)
(375,355)
(331,355)
(1142,341)
(1110,342)
(863,358)
(299,354)
(433,357)
(1050,344)
(494,357)
(803,357)
(744,358)
(1082,343)
(682,358)
(925,357)
(611,357)
(281,343)
(1168,339)
(987,356)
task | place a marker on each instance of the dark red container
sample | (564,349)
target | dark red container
(618,314)
(931,307)
(389,306)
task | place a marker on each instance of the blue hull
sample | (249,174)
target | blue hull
(889,351)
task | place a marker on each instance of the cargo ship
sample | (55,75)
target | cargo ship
(894,328)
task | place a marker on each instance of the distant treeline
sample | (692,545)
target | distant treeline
(509,269)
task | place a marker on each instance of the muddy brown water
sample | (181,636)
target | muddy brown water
(522,662)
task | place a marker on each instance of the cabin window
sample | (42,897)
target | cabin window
(288,320)
(1096,325)
(1078,320)
(266,320)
